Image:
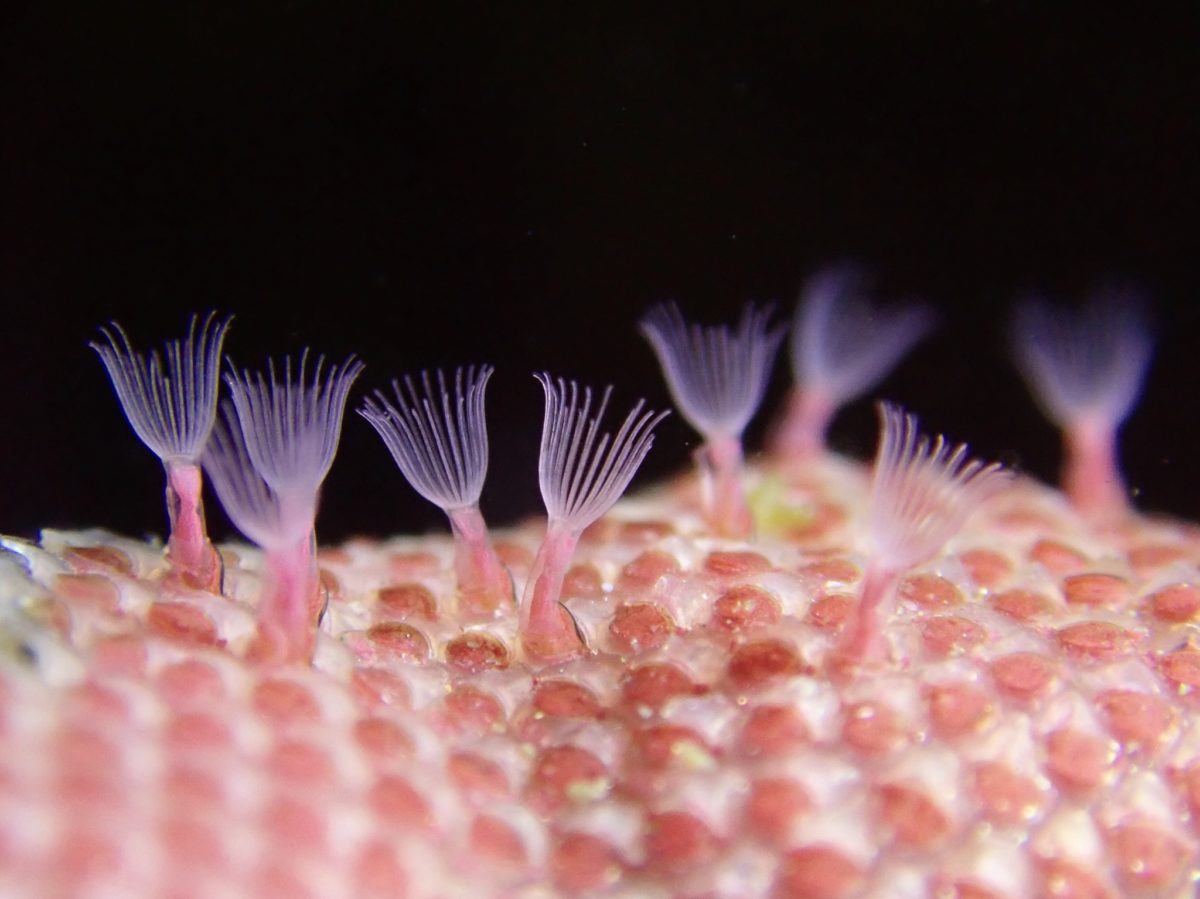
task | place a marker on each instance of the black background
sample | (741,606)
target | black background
(431,186)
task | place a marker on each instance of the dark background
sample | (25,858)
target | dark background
(516,185)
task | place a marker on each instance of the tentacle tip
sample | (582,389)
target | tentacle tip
(922,490)
(436,431)
(583,471)
(1086,365)
(843,343)
(292,425)
(169,397)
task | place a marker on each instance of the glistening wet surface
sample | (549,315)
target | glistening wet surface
(1033,732)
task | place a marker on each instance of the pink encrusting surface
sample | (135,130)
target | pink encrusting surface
(1032,730)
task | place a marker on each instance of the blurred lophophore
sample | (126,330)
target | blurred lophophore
(841,346)
(717,376)
(1086,371)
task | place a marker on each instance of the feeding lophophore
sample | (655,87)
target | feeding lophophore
(922,492)
(172,411)
(267,459)
(439,442)
(717,376)
(841,346)
(1086,370)
(582,472)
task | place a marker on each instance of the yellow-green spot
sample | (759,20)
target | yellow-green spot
(772,512)
(588,790)
(693,756)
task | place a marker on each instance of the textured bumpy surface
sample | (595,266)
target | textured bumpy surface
(1034,733)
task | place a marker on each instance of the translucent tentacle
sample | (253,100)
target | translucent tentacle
(716,375)
(581,471)
(438,437)
(1090,364)
(292,425)
(171,407)
(842,344)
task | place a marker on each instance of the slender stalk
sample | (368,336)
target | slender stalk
(1091,476)
(194,560)
(802,433)
(484,585)
(724,491)
(547,630)
(290,603)
(864,640)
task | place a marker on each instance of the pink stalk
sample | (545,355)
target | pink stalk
(171,408)
(192,556)
(582,472)
(547,628)
(437,435)
(1091,477)
(801,435)
(289,604)
(723,489)
(1086,371)
(922,492)
(717,376)
(864,641)
(841,346)
(484,584)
